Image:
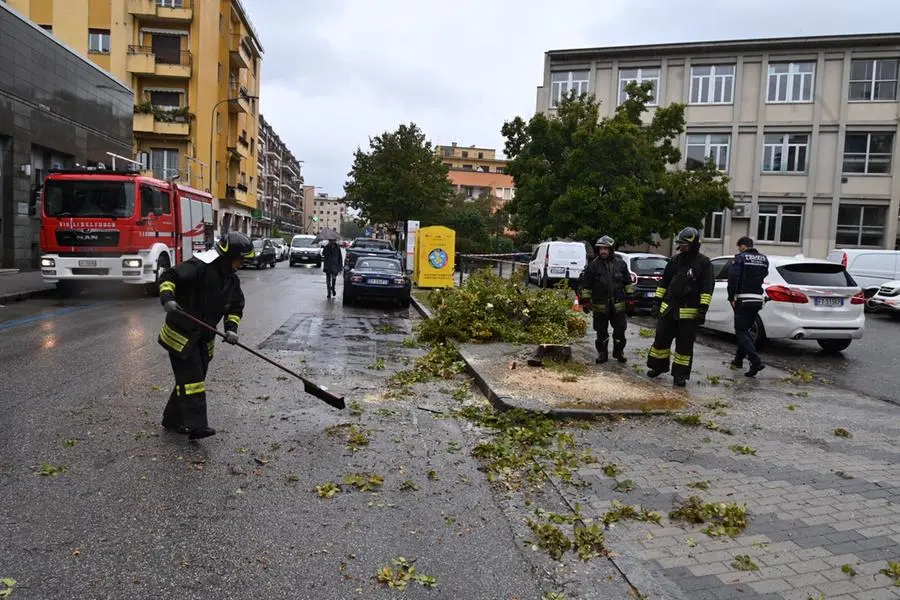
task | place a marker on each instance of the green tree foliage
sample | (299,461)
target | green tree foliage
(399,178)
(580,176)
(470,219)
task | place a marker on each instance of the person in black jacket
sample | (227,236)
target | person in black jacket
(332,264)
(604,286)
(746,274)
(682,300)
(206,287)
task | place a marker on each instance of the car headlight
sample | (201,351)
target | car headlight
(399,281)
(131,263)
(356,278)
(48,262)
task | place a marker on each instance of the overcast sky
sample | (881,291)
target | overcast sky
(338,71)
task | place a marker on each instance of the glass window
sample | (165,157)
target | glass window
(874,79)
(780,223)
(165,100)
(868,153)
(823,274)
(562,83)
(711,146)
(861,225)
(712,85)
(639,76)
(714,226)
(785,153)
(74,198)
(791,82)
(98,41)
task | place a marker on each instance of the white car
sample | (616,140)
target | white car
(887,298)
(806,299)
(552,262)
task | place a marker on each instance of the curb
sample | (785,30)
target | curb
(507,403)
(6,298)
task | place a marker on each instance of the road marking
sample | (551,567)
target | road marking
(57,313)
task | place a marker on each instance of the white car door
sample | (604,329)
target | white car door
(536,263)
(720,316)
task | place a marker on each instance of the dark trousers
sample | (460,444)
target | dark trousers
(744,317)
(330,280)
(684,332)
(187,402)
(602,322)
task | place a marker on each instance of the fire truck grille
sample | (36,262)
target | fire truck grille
(87,238)
(89,271)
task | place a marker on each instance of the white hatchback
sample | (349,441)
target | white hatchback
(887,298)
(806,299)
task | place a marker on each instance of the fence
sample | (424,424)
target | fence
(503,265)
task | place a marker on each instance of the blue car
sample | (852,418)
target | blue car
(379,278)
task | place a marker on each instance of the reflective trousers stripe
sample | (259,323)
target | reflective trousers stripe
(630,289)
(189,389)
(660,292)
(167,286)
(705,299)
(663,308)
(233,319)
(172,338)
(682,359)
(662,353)
(687,313)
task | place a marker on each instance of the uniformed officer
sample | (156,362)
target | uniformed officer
(605,284)
(746,274)
(206,287)
(682,300)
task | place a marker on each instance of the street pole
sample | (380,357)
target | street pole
(212,135)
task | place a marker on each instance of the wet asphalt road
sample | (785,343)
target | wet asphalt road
(141,513)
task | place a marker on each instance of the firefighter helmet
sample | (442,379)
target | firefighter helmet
(689,236)
(234,245)
(605,242)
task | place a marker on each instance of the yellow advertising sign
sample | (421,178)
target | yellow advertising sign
(434,257)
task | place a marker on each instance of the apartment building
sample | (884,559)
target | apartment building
(194,69)
(324,211)
(477,171)
(279,194)
(805,128)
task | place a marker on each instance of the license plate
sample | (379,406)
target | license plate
(378,281)
(87,263)
(829,301)
(557,270)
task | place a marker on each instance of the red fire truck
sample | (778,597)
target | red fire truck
(101,225)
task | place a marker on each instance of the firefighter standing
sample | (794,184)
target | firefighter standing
(605,284)
(682,299)
(746,274)
(207,288)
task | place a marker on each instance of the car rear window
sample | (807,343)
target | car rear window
(372,245)
(257,243)
(823,274)
(391,266)
(302,242)
(569,251)
(648,265)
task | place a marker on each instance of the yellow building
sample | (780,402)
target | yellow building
(194,67)
(471,158)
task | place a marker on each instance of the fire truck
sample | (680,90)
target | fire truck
(102,225)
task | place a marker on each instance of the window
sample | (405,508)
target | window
(720,267)
(714,225)
(448,152)
(791,82)
(868,153)
(165,100)
(562,83)
(816,274)
(98,41)
(701,147)
(465,154)
(47,28)
(164,163)
(171,3)
(872,80)
(860,225)
(153,199)
(780,223)
(467,167)
(785,153)
(712,85)
(638,76)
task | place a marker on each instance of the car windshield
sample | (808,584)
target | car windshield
(649,264)
(820,274)
(372,244)
(302,242)
(369,264)
(257,243)
(80,198)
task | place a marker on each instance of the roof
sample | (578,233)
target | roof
(740,45)
(480,178)
(777,260)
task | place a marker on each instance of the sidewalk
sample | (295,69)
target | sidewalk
(24,284)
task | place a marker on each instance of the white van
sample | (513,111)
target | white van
(869,268)
(552,262)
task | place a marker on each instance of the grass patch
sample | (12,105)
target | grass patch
(743,562)
(720,518)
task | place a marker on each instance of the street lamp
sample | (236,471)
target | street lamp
(212,132)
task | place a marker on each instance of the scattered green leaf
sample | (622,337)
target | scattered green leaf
(739,449)
(69,443)
(625,512)
(646,333)
(328,490)
(721,518)
(792,407)
(409,485)
(699,485)
(743,562)
(364,482)
(48,470)
(611,469)
(841,432)
(689,420)
(433,476)
(625,485)
(378,365)
(892,571)
(848,570)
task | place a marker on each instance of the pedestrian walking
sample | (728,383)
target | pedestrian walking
(746,274)
(332,264)
(682,300)
(206,287)
(605,284)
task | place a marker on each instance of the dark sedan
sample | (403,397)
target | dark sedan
(265,255)
(377,277)
(646,272)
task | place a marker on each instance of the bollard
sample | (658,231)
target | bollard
(501,269)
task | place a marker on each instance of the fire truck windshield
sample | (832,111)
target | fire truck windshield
(89,198)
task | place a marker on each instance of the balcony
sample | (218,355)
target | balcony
(142,61)
(157,121)
(162,10)
(237,193)
(242,102)
(240,57)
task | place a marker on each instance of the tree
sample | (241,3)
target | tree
(399,179)
(582,177)
(470,219)
(351,229)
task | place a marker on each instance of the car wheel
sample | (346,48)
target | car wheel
(543,282)
(832,346)
(758,334)
(346,299)
(405,302)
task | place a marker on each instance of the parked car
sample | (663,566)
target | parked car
(304,250)
(281,249)
(806,299)
(887,299)
(646,272)
(264,254)
(377,277)
(552,262)
(364,246)
(869,268)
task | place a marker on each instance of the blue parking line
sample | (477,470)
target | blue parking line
(57,313)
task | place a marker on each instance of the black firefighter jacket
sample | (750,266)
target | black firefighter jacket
(605,284)
(686,287)
(207,291)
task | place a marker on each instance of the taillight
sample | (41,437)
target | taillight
(844,260)
(859,298)
(779,293)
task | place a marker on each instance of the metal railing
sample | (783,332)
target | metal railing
(502,265)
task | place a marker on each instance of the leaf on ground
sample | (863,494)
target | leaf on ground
(743,562)
(841,432)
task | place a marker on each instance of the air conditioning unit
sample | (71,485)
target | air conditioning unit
(741,210)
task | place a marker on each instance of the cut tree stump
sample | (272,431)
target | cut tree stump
(554,352)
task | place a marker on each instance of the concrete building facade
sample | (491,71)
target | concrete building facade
(806,129)
(280,196)
(477,171)
(194,67)
(57,110)
(325,211)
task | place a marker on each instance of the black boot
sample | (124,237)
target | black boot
(602,347)
(679,381)
(736,364)
(201,432)
(619,351)
(182,429)
(653,373)
(754,369)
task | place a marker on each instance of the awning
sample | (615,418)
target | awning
(164,31)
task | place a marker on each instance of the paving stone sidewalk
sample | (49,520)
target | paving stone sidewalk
(21,285)
(815,501)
